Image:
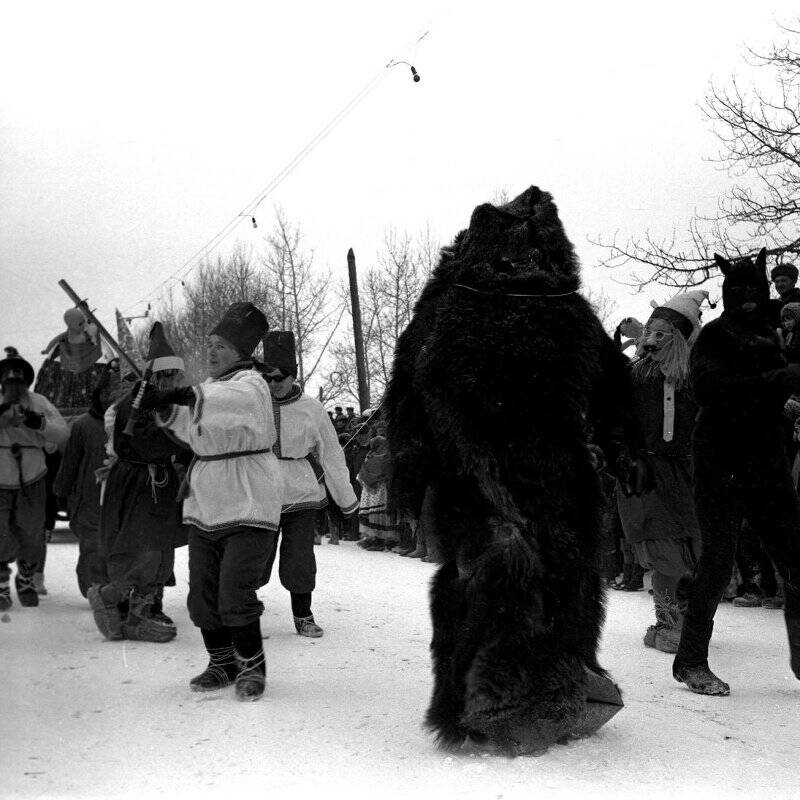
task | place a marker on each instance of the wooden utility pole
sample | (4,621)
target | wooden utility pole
(358,336)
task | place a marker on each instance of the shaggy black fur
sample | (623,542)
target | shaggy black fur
(488,408)
(741,382)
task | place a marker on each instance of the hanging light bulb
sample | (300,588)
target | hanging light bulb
(415,74)
(253,220)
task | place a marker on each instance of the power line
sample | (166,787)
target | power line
(249,210)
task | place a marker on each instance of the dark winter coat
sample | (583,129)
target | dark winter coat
(666,509)
(777,303)
(76,479)
(140,511)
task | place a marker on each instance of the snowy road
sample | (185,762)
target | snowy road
(82,717)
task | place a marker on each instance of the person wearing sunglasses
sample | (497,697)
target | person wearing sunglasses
(311,460)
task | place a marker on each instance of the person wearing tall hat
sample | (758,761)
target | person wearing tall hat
(232,498)
(784,279)
(28,423)
(140,516)
(311,460)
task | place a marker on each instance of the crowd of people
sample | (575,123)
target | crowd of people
(248,470)
(718,420)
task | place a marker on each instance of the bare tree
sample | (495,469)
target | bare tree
(758,129)
(300,295)
(388,293)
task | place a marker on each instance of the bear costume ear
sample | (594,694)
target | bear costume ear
(723,263)
(761,261)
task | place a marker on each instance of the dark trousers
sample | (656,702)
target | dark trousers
(225,570)
(91,566)
(297,568)
(767,499)
(144,573)
(22,513)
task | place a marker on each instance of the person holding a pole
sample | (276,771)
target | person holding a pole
(233,494)
(140,515)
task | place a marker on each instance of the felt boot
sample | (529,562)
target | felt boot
(106,614)
(701,680)
(141,626)
(222,666)
(252,678)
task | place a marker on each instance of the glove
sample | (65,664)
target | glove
(155,399)
(33,420)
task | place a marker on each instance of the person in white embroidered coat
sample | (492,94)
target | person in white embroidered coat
(234,499)
(310,459)
(28,423)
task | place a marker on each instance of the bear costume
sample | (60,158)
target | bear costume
(741,382)
(498,382)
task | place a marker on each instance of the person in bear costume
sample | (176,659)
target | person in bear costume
(495,383)
(741,382)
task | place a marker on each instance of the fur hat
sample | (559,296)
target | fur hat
(683,311)
(243,325)
(14,360)
(789,270)
(279,351)
(160,354)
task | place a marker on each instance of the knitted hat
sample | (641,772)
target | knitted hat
(160,354)
(683,311)
(14,360)
(243,325)
(789,270)
(791,310)
(279,351)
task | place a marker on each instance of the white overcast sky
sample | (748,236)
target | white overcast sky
(130,133)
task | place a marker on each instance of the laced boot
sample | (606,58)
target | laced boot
(5,595)
(222,666)
(252,678)
(306,626)
(26,589)
(106,613)
(665,635)
(38,584)
(140,624)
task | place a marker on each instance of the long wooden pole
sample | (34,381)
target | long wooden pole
(358,336)
(82,304)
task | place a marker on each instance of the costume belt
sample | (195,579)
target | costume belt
(184,490)
(152,468)
(16,453)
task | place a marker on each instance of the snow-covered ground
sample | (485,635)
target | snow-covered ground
(82,717)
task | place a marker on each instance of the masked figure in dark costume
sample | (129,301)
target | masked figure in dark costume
(140,516)
(494,381)
(741,382)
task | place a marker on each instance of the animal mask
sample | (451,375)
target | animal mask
(745,290)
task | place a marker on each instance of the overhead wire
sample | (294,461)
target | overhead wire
(249,209)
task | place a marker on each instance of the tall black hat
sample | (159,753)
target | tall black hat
(279,351)
(160,352)
(243,325)
(14,360)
